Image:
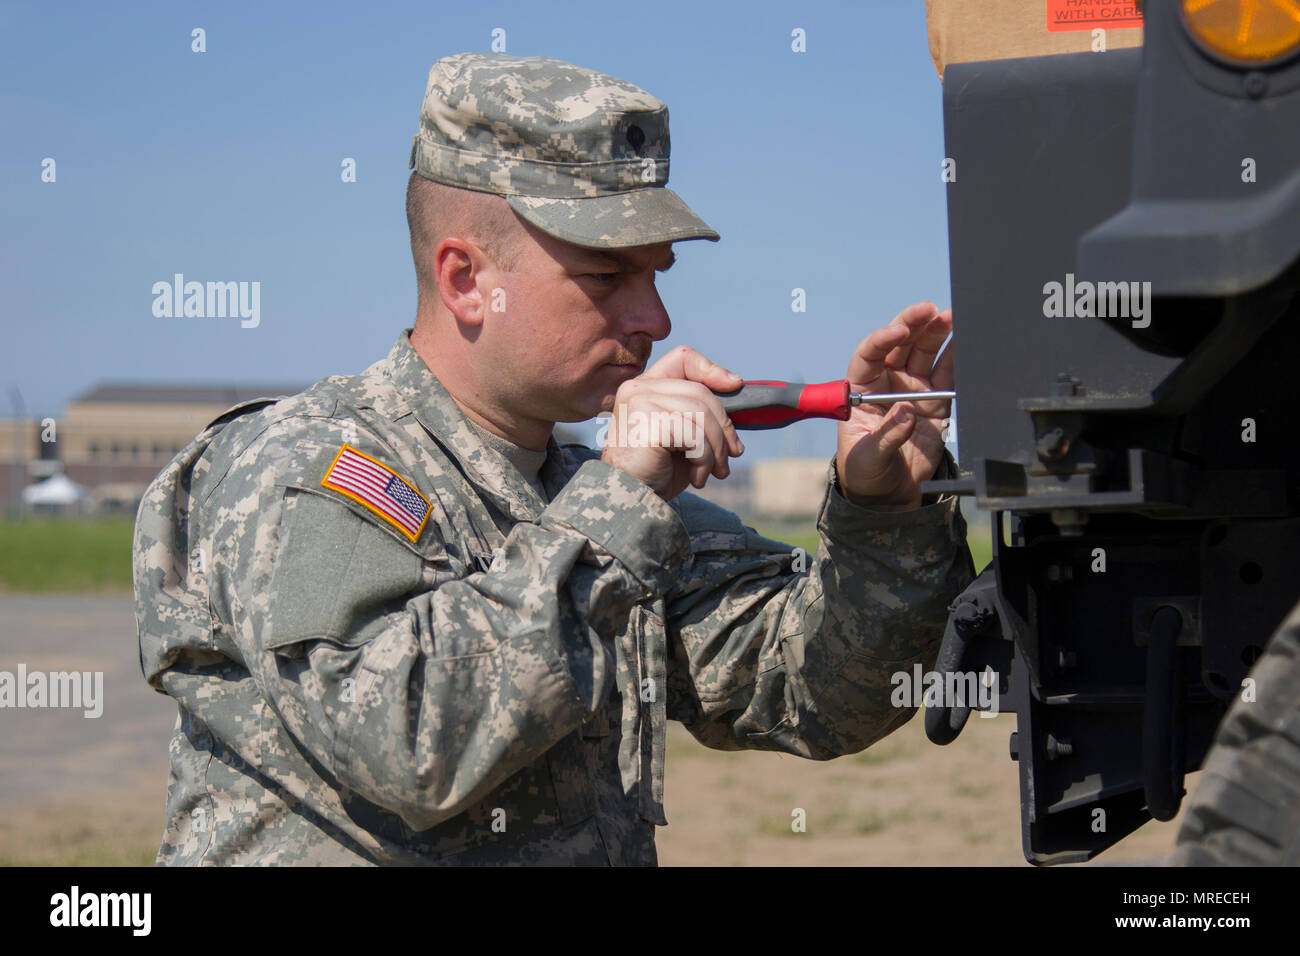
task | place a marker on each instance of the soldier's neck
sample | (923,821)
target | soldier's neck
(455,374)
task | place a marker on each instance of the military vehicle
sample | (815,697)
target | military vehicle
(1124,233)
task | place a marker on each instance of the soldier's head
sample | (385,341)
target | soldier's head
(539,217)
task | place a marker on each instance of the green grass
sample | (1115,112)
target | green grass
(94,555)
(874,822)
(806,538)
(776,826)
(44,554)
(981,547)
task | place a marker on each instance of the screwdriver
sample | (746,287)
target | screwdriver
(776,404)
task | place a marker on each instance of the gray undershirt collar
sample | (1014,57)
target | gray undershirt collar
(526,461)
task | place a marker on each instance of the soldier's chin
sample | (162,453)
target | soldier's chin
(589,410)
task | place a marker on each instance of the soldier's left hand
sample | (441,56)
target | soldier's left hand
(883,454)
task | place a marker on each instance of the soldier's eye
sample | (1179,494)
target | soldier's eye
(603,276)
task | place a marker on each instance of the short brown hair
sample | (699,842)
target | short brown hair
(435,211)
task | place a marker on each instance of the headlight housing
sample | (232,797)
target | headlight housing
(1245,32)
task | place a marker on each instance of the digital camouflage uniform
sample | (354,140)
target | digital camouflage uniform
(492,687)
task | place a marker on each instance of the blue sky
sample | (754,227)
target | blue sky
(821,170)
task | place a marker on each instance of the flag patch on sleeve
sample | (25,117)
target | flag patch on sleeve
(378,488)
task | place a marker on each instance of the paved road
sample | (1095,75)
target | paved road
(61,753)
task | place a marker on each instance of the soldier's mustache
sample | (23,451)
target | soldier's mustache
(632,356)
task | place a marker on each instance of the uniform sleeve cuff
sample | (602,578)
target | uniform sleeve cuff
(623,516)
(842,520)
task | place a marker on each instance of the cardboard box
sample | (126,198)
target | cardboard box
(965,30)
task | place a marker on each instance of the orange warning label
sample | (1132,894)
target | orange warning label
(1091,14)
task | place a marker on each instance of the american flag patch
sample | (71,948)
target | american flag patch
(379,489)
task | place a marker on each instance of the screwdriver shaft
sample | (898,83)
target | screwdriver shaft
(889,398)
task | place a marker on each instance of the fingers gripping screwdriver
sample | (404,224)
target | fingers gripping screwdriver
(776,404)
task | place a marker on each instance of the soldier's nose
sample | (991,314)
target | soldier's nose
(648,316)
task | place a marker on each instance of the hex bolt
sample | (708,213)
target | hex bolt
(1058,748)
(1065,385)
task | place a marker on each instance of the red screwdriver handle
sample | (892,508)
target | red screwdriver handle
(775,404)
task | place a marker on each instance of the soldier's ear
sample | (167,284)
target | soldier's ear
(456,264)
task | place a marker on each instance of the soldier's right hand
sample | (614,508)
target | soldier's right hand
(668,428)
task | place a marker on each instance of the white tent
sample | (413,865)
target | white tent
(56,491)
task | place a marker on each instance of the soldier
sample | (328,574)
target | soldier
(404,625)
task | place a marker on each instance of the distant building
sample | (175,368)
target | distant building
(115,438)
(789,488)
(735,492)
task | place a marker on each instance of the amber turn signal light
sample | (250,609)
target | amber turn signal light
(1249,32)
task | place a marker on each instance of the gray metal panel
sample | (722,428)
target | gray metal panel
(1194,226)
(1043,148)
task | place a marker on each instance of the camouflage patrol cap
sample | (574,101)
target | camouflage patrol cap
(581,155)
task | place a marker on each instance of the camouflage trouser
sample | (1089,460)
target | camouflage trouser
(1246,810)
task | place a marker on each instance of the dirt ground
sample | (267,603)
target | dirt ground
(87,827)
(902,802)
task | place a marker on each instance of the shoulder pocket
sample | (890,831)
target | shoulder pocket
(337,576)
